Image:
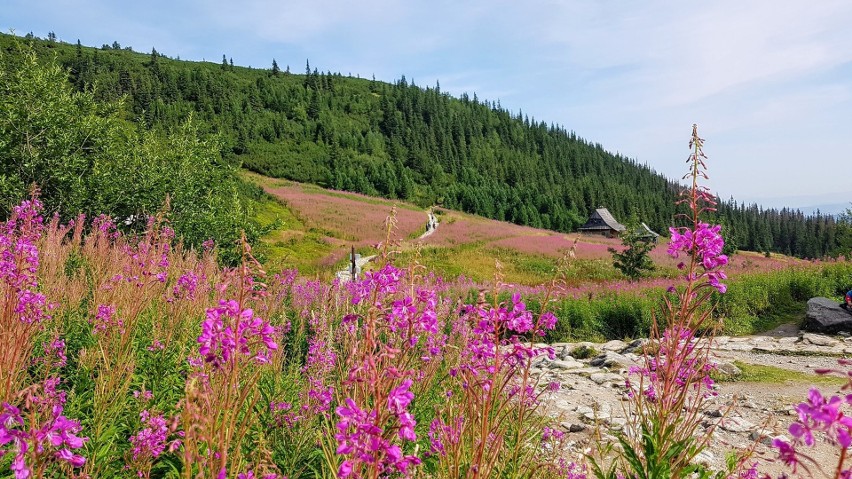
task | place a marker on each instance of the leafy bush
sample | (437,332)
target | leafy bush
(84,158)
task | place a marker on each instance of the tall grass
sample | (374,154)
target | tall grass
(133,356)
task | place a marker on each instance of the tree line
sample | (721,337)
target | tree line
(411,142)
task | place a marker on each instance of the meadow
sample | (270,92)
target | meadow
(157,352)
(594,300)
(316,227)
(132,356)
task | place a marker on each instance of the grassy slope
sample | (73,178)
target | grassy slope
(316,228)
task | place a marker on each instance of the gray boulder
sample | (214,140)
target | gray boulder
(827,317)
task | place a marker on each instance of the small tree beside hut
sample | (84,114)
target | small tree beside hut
(634,260)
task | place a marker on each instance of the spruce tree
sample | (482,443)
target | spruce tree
(275,70)
(633,261)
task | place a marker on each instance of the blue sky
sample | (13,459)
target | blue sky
(768,82)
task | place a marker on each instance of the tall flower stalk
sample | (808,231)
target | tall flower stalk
(219,408)
(24,307)
(670,388)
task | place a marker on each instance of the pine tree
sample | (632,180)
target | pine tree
(275,70)
(633,261)
(224,62)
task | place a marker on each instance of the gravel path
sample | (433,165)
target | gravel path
(593,393)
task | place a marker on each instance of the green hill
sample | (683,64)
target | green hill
(400,140)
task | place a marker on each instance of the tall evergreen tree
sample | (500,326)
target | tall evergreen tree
(418,143)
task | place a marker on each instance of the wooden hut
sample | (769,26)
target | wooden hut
(646,233)
(601,222)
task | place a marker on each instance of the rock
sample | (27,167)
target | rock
(582,350)
(763,436)
(820,340)
(825,316)
(600,378)
(576,427)
(735,424)
(614,345)
(583,410)
(737,346)
(585,371)
(636,344)
(728,369)
(563,404)
(618,423)
(611,359)
(565,364)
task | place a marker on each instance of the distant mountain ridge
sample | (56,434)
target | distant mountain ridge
(404,141)
(835,209)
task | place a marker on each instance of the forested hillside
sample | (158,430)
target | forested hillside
(410,142)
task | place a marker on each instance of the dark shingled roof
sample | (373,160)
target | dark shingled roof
(602,219)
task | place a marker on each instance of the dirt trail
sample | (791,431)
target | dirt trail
(360,262)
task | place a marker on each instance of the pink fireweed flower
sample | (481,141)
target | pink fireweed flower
(54,353)
(442,435)
(143,395)
(321,357)
(519,320)
(50,435)
(186,286)
(548,433)
(362,440)
(283,415)
(229,330)
(572,470)
(251,475)
(104,225)
(105,320)
(819,414)
(400,398)
(151,441)
(705,243)
(19,262)
(786,452)
(385,282)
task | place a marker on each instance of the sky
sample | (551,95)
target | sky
(769,82)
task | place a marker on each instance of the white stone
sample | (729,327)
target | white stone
(735,424)
(600,378)
(565,364)
(819,339)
